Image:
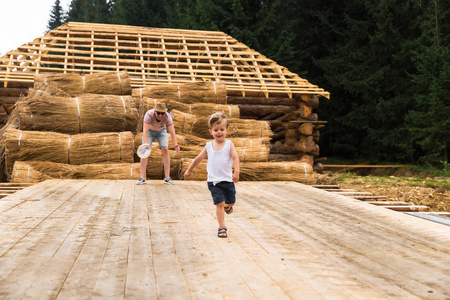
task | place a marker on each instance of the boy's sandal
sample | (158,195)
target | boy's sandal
(222,233)
(228,209)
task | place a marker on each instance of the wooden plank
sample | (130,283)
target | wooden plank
(140,281)
(384,203)
(217,261)
(365,198)
(169,275)
(325,186)
(407,207)
(352,193)
(363,166)
(51,224)
(64,246)
(111,277)
(83,275)
(189,250)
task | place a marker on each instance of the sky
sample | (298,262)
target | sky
(21,21)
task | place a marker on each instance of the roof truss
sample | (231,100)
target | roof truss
(153,56)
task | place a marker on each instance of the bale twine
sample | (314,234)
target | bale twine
(85,114)
(195,92)
(107,83)
(36,171)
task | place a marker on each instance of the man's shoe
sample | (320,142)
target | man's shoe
(168,180)
(140,181)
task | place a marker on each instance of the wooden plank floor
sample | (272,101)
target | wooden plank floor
(68,239)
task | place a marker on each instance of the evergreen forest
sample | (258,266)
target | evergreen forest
(386,63)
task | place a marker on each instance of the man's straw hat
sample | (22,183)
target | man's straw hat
(160,107)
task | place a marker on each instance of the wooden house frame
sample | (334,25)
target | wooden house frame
(153,56)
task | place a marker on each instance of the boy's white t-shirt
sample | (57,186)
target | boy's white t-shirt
(219,163)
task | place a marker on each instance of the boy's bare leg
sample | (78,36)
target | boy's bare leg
(143,169)
(220,214)
(166,161)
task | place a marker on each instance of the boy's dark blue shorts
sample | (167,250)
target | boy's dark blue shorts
(223,191)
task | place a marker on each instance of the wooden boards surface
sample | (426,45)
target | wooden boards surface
(69,239)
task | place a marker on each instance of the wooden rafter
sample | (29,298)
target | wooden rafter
(153,56)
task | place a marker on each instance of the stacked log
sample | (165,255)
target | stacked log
(293,121)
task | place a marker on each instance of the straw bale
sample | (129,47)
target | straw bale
(48,89)
(36,171)
(277,171)
(198,174)
(245,152)
(155,167)
(191,146)
(189,139)
(70,149)
(262,171)
(87,113)
(193,92)
(190,124)
(12,122)
(199,109)
(108,83)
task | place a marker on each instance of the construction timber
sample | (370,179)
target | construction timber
(153,56)
(83,239)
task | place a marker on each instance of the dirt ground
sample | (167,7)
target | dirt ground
(397,186)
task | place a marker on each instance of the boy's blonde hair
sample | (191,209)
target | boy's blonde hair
(217,118)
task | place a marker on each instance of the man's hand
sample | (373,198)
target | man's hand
(187,173)
(177,149)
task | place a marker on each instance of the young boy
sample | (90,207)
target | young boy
(221,156)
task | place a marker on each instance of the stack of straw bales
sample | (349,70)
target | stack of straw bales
(263,171)
(89,127)
(105,83)
(36,171)
(191,105)
(73,126)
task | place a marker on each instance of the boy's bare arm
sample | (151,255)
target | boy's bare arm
(195,162)
(236,166)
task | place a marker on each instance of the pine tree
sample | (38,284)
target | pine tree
(367,69)
(429,121)
(56,16)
